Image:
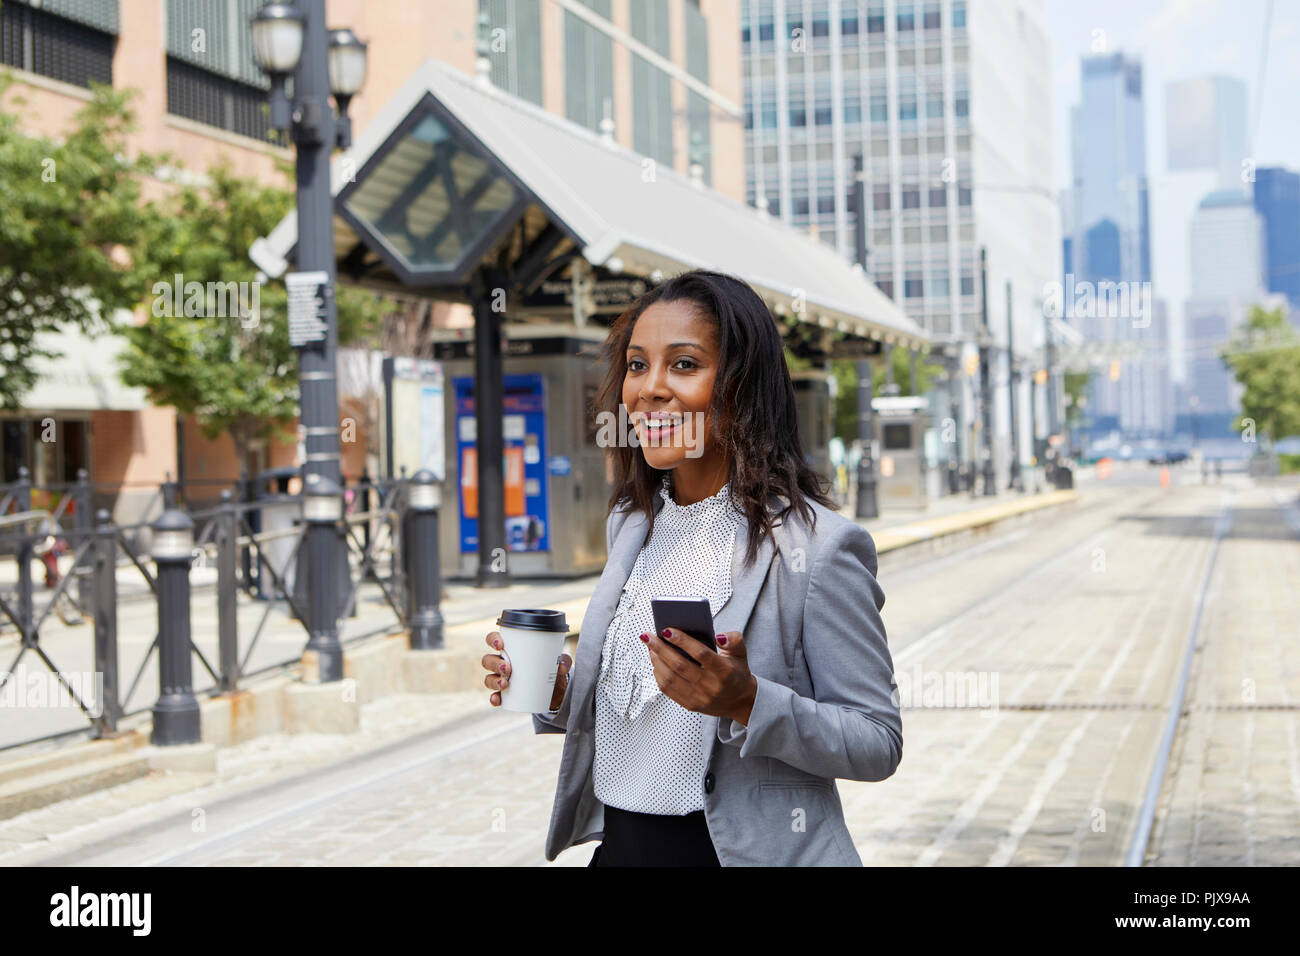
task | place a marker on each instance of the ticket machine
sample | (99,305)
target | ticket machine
(556,487)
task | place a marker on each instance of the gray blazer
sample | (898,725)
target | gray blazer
(825,707)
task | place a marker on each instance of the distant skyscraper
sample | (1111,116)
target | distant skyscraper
(1277,199)
(1227,248)
(1110,240)
(1205,126)
(1227,277)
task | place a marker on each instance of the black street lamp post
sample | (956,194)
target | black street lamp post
(866,506)
(426,587)
(290,39)
(322,507)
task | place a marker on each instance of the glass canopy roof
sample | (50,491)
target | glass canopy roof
(431,200)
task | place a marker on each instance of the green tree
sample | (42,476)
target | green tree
(1075,385)
(1264,356)
(70,223)
(232,368)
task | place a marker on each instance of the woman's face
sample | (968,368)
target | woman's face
(672,360)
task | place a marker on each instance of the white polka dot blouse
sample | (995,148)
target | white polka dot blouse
(649,755)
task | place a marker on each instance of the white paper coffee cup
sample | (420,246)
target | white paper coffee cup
(534,641)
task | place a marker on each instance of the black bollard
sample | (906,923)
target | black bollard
(176,715)
(426,575)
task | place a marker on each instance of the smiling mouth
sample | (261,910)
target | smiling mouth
(659,426)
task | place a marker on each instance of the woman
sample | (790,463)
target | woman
(675,754)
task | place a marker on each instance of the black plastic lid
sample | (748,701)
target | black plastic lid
(534,619)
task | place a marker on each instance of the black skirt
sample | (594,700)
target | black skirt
(653,839)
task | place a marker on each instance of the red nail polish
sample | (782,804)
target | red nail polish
(721,639)
(667,632)
(646,638)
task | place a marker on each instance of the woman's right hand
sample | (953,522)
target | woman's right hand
(499,673)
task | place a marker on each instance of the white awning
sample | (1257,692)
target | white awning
(622,209)
(84,377)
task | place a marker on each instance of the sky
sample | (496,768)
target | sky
(1177,39)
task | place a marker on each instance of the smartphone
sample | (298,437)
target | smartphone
(689,614)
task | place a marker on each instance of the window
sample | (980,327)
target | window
(934,106)
(880,198)
(879,108)
(907,106)
(938,197)
(821,28)
(798,116)
(963,195)
(849,25)
(769,117)
(64,50)
(886,286)
(939,284)
(958,14)
(967,284)
(852,111)
(216,100)
(744,34)
(896,437)
(801,205)
(906,18)
(911,198)
(826,204)
(961,104)
(876,20)
(912,286)
(939,233)
(931,17)
(822,116)
(766,31)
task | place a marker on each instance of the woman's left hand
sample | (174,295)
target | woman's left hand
(719,684)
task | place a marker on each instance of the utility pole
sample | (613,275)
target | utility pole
(1016,484)
(986,383)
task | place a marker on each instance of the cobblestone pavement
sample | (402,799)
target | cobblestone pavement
(1036,667)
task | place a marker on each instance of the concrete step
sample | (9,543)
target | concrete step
(38,789)
(15,765)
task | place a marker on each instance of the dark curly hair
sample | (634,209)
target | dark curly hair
(752,407)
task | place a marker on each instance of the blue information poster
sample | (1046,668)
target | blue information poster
(524,424)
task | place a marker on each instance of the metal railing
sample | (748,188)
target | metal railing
(256,576)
